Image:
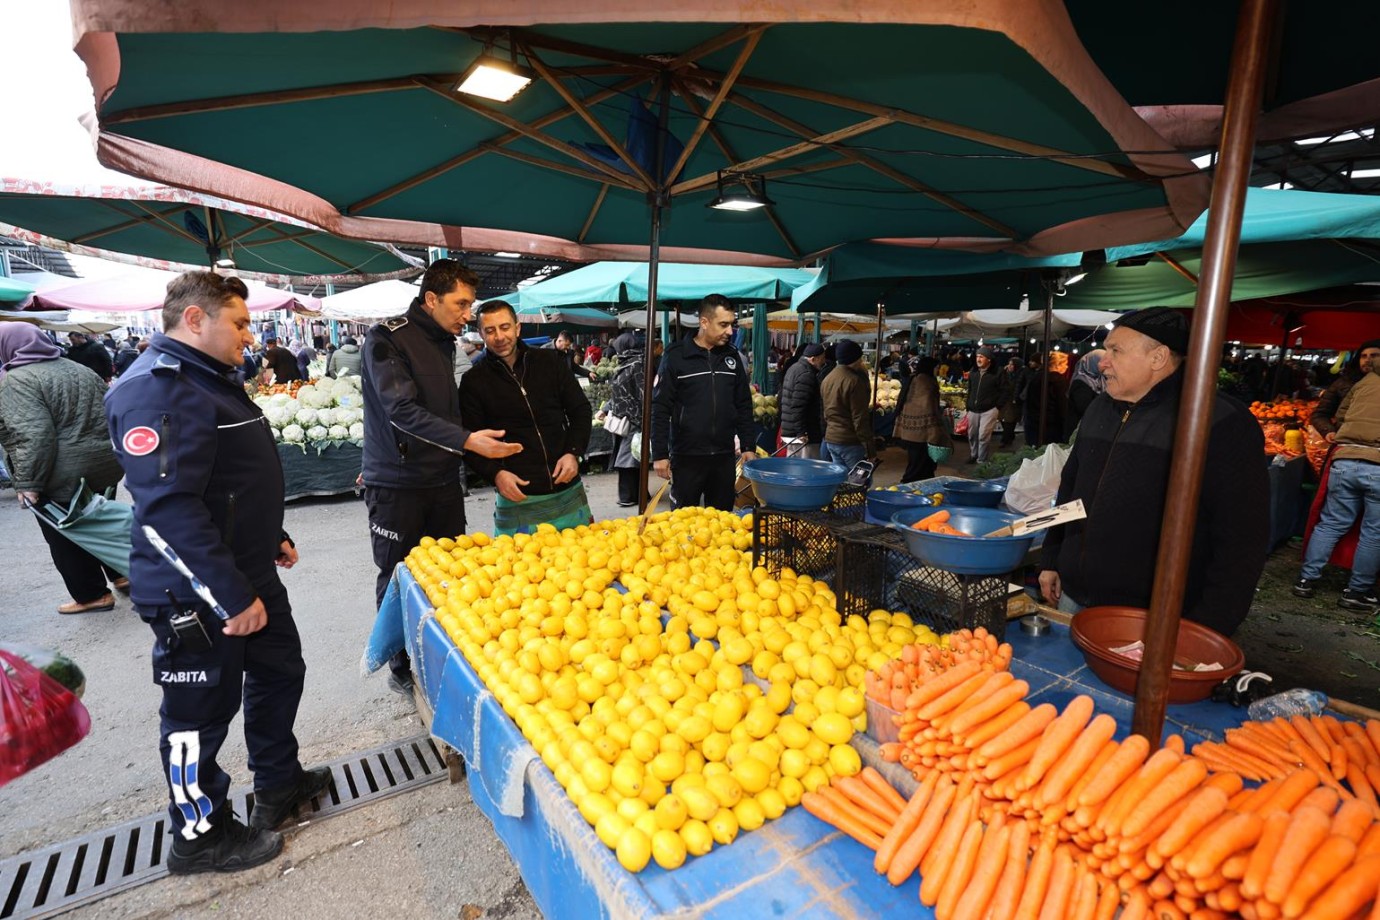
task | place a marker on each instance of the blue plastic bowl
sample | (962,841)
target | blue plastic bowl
(969,555)
(974,494)
(882,504)
(794,484)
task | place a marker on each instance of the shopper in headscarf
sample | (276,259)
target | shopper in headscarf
(52,428)
(919,423)
(1086,384)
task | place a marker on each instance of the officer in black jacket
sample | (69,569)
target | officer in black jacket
(702,399)
(532,394)
(200,461)
(413,435)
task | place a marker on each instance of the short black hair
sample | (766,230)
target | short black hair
(207,290)
(493,306)
(712,303)
(444,274)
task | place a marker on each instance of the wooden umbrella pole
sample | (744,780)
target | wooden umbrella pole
(1240,117)
(877,361)
(658,196)
(1044,367)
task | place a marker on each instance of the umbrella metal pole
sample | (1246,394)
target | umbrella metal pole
(1044,369)
(877,365)
(1240,116)
(657,198)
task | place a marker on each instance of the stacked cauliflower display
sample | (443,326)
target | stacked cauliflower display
(326,411)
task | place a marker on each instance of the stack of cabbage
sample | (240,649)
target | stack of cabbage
(327,411)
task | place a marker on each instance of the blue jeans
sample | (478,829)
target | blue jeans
(1353,488)
(846,455)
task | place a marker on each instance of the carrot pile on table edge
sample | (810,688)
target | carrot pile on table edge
(1033,813)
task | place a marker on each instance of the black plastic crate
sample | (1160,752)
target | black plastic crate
(875,570)
(805,541)
(850,501)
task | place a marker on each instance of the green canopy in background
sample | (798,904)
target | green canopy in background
(12,291)
(623,285)
(563,319)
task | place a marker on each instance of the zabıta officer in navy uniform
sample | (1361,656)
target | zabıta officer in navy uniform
(200,461)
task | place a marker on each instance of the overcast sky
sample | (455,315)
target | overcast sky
(42,138)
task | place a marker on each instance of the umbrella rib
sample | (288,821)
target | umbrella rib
(310,248)
(256,224)
(106,231)
(810,145)
(707,116)
(250,100)
(566,168)
(512,124)
(1172,263)
(806,168)
(469,155)
(863,159)
(688,96)
(593,212)
(940,126)
(159,218)
(585,115)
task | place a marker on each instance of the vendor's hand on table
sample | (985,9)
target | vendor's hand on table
(507,484)
(248,621)
(287,555)
(28,499)
(1050,586)
(662,468)
(567,468)
(489,443)
(749,455)
(1331,437)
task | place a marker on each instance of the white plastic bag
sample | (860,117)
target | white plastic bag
(1034,486)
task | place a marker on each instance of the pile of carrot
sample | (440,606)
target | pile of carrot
(938,523)
(893,684)
(1041,814)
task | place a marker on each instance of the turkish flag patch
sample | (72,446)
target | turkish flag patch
(140,441)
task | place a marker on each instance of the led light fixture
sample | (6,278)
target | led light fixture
(741,192)
(494,78)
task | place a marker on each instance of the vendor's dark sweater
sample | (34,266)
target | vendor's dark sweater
(1119,467)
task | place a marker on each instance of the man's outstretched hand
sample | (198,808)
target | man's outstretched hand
(489,443)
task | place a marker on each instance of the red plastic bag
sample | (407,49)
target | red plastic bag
(961,426)
(39,718)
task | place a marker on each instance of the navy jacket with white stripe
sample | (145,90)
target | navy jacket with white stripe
(702,399)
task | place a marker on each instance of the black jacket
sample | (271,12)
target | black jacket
(989,389)
(702,399)
(1120,469)
(200,461)
(536,403)
(93,355)
(801,411)
(413,435)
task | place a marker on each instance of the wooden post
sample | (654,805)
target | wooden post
(1240,117)
(657,197)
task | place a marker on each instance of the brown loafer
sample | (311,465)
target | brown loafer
(121,585)
(107,602)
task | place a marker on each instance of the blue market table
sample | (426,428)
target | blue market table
(795,866)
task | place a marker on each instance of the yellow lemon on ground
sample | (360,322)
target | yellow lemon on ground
(634,850)
(814,778)
(749,814)
(698,839)
(597,774)
(725,788)
(845,760)
(851,702)
(696,728)
(724,826)
(699,802)
(728,711)
(611,828)
(632,809)
(761,721)
(671,812)
(627,778)
(791,790)
(754,775)
(667,765)
(593,806)
(668,849)
(832,728)
(646,823)
(772,802)
(794,763)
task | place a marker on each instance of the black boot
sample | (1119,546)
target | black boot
(272,807)
(228,847)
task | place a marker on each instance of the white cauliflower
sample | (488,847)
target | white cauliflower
(327,416)
(338,433)
(316,433)
(348,400)
(306,417)
(277,417)
(263,402)
(293,434)
(277,434)
(357,431)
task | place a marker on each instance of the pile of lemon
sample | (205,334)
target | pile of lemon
(669,737)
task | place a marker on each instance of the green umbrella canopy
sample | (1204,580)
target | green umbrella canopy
(12,291)
(164,227)
(980,126)
(621,285)
(564,319)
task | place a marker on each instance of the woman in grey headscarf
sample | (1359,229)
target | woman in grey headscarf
(53,430)
(1085,386)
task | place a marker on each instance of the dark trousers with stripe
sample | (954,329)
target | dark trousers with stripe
(202,692)
(706,480)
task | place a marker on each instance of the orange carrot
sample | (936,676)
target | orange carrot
(865,797)
(1230,783)
(938,517)
(941,683)
(913,848)
(1291,791)
(1005,696)
(1037,882)
(1160,764)
(1015,760)
(1084,901)
(1058,736)
(1107,902)
(941,852)
(1076,760)
(1372,727)
(1180,782)
(1175,743)
(973,899)
(1103,756)
(1328,861)
(979,735)
(1338,760)
(840,818)
(1309,733)
(1370,843)
(905,824)
(875,823)
(1307,829)
(878,784)
(1204,807)
(1236,834)
(960,872)
(951,698)
(1253,882)
(1137,905)
(1007,895)
(1029,727)
(1324,798)
(1129,758)
(1352,820)
(1060,890)
(1351,891)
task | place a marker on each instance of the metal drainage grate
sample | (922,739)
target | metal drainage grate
(49,881)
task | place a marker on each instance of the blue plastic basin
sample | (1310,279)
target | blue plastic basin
(974,494)
(967,555)
(882,504)
(794,484)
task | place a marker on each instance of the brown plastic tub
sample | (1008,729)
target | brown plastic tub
(1096,630)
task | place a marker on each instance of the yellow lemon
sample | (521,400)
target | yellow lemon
(696,728)
(715,747)
(611,828)
(754,775)
(646,823)
(725,788)
(632,809)
(794,763)
(667,765)
(597,774)
(832,728)
(844,760)
(791,790)
(761,721)
(851,702)
(698,840)
(749,814)
(634,850)
(814,779)
(728,712)
(668,849)
(671,812)
(724,826)
(699,802)
(778,698)
(772,803)
(593,806)
(627,778)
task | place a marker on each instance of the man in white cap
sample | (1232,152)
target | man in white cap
(988,390)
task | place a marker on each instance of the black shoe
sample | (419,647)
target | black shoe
(228,847)
(1304,587)
(627,504)
(971,460)
(1359,600)
(273,807)
(401,684)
